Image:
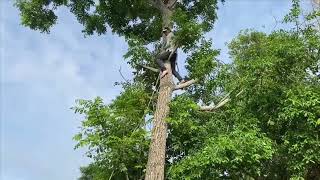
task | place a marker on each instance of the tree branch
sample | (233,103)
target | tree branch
(186,84)
(123,75)
(149,68)
(111,175)
(223,101)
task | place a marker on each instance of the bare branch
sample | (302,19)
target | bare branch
(276,21)
(223,101)
(111,175)
(149,68)
(239,93)
(186,84)
(123,75)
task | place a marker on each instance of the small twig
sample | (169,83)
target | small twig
(111,175)
(122,75)
(276,21)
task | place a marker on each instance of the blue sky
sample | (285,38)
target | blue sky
(42,75)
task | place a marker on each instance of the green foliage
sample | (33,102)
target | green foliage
(301,116)
(129,18)
(202,64)
(271,130)
(202,61)
(94,172)
(39,14)
(188,30)
(234,155)
(137,55)
(192,19)
(295,12)
(115,134)
(186,129)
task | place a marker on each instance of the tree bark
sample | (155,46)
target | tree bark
(166,17)
(157,151)
(156,159)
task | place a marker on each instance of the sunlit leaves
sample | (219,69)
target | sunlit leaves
(38,14)
(299,115)
(232,155)
(188,30)
(115,133)
(202,62)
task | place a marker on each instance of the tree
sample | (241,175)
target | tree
(140,22)
(263,121)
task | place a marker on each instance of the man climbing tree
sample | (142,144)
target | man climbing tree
(169,49)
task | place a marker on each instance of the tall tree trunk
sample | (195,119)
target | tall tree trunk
(157,151)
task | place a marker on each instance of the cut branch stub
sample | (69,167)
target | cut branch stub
(186,84)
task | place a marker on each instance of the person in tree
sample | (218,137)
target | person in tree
(167,48)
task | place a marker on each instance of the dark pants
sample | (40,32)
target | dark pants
(163,56)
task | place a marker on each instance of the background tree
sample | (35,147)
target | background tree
(277,115)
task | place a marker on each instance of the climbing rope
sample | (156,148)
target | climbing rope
(158,80)
(150,100)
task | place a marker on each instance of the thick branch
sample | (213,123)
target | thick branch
(186,84)
(150,68)
(223,101)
